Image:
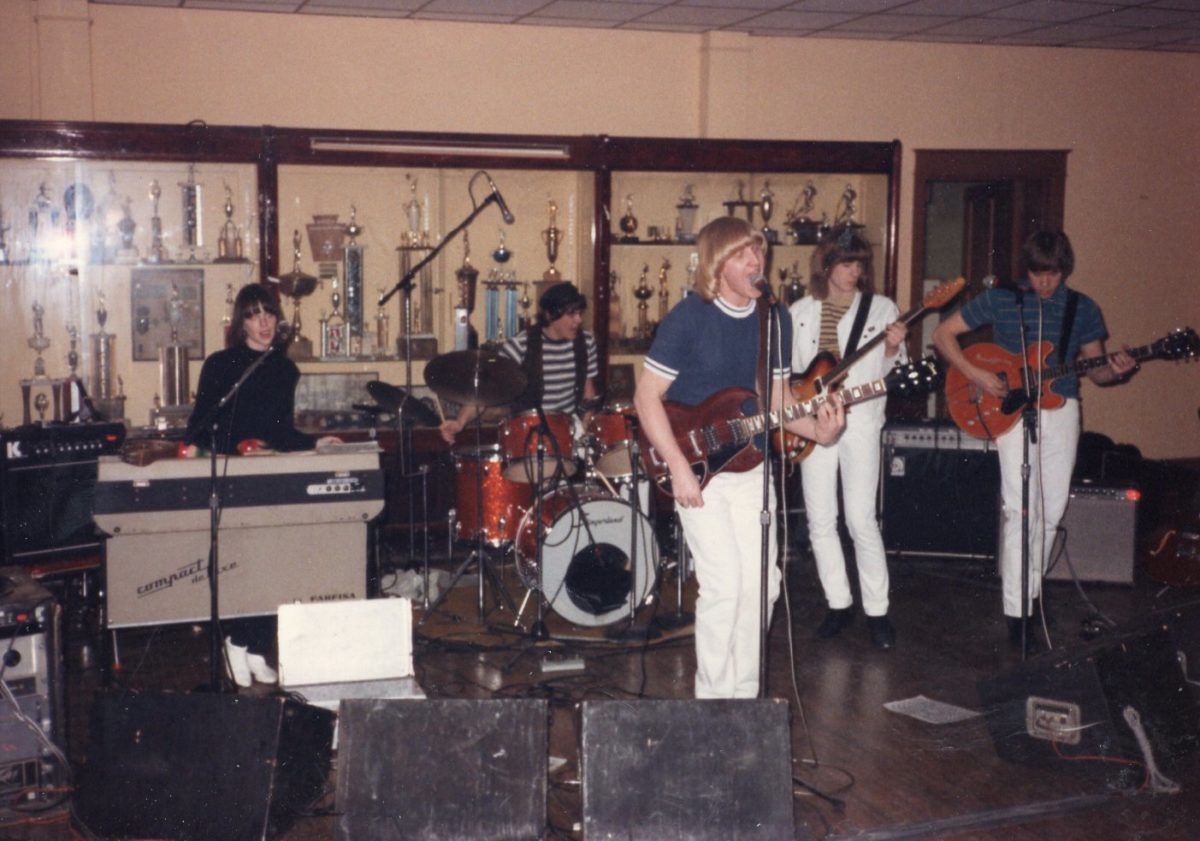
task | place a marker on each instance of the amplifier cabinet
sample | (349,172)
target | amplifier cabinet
(1100,528)
(939,492)
(30,623)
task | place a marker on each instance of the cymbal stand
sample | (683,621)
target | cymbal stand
(538,631)
(683,568)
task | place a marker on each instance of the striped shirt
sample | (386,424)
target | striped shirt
(998,307)
(558,367)
(831,316)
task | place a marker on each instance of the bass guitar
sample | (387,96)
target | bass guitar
(725,432)
(824,372)
(983,416)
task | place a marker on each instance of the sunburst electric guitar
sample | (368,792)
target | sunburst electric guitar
(724,433)
(825,372)
(981,415)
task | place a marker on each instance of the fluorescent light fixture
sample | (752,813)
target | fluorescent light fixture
(347,144)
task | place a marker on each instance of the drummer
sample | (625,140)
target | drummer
(558,357)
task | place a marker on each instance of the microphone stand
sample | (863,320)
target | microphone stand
(538,631)
(765,513)
(212,422)
(1029,413)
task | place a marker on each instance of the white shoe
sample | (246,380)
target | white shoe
(237,664)
(257,664)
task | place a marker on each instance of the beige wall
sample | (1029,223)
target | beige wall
(1130,120)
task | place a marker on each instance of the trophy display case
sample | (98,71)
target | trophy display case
(111,257)
(365,235)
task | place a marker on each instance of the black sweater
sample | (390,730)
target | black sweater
(263,408)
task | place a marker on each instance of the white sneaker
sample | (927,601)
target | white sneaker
(237,664)
(260,670)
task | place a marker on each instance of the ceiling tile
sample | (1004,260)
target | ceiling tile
(1047,10)
(892,24)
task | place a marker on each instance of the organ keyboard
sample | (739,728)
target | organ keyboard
(293,528)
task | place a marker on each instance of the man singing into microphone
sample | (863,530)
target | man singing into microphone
(709,342)
(840,314)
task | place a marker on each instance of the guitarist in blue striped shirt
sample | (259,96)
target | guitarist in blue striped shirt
(1040,309)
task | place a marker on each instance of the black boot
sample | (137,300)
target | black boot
(835,622)
(883,635)
(1032,634)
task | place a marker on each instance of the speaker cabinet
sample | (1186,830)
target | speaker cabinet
(1101,530)
(939,492)
(1071,704)
(696,770)
(442,769)
(201,766)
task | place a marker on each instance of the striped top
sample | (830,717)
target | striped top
(831,316)
(558,368)
(998,307)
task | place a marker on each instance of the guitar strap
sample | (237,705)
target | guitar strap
(860,321)
(1068,323)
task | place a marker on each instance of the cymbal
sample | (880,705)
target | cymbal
(475,377)
(399,402)
(296,284)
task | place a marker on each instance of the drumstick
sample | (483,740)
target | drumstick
(606,483)
(437,404)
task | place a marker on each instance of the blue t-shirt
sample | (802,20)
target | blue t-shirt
(998,307)
(705,347)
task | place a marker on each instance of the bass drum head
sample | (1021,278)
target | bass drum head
(586,556)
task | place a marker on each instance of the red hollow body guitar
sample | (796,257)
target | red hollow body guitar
(983,416)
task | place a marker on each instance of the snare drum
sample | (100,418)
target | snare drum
(614,440)
(519,437)
(487,503)
(586,550)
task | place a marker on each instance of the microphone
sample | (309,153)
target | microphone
(504,211)
(988,282)
(760,282)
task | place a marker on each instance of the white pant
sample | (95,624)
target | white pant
(725,539)
(1051,461)
(856,454)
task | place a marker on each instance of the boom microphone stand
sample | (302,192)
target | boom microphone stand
(765,513)
(1029,415)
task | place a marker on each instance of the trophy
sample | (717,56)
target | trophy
(790,287)
(501,255)
(801,227)
(173,366)
(229,241)
(664,294)
(629,222)
(192,209)
(843,216)
(766,204)
(685,220)
(352,271)
(105,225)
(102,368)
(382,346)
(614,307)
(643,293)
(465,337)
(38,342)
(127,254)
(335,338)
(416,339)
(296,285)
(552,236)
(158,254)
(43,216)
(741,201)
(526,302)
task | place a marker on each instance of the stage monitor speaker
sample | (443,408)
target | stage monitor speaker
(939,492)
(201,765)
(699,770)
(442,769)
(1101,530)
(1071,704)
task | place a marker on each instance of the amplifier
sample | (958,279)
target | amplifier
(1100,528)
(939,492)
(47,484)
(31,667)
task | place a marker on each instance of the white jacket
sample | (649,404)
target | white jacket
(806,334)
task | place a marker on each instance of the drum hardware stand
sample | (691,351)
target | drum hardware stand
(538,632)
(626,629)
(477,555)
(683,568)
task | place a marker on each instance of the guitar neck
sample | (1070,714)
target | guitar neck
(750,426)
(1082,366)
(839,369)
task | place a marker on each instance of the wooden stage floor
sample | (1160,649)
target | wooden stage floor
(863,771)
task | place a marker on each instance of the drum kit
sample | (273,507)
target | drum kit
(558,496)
